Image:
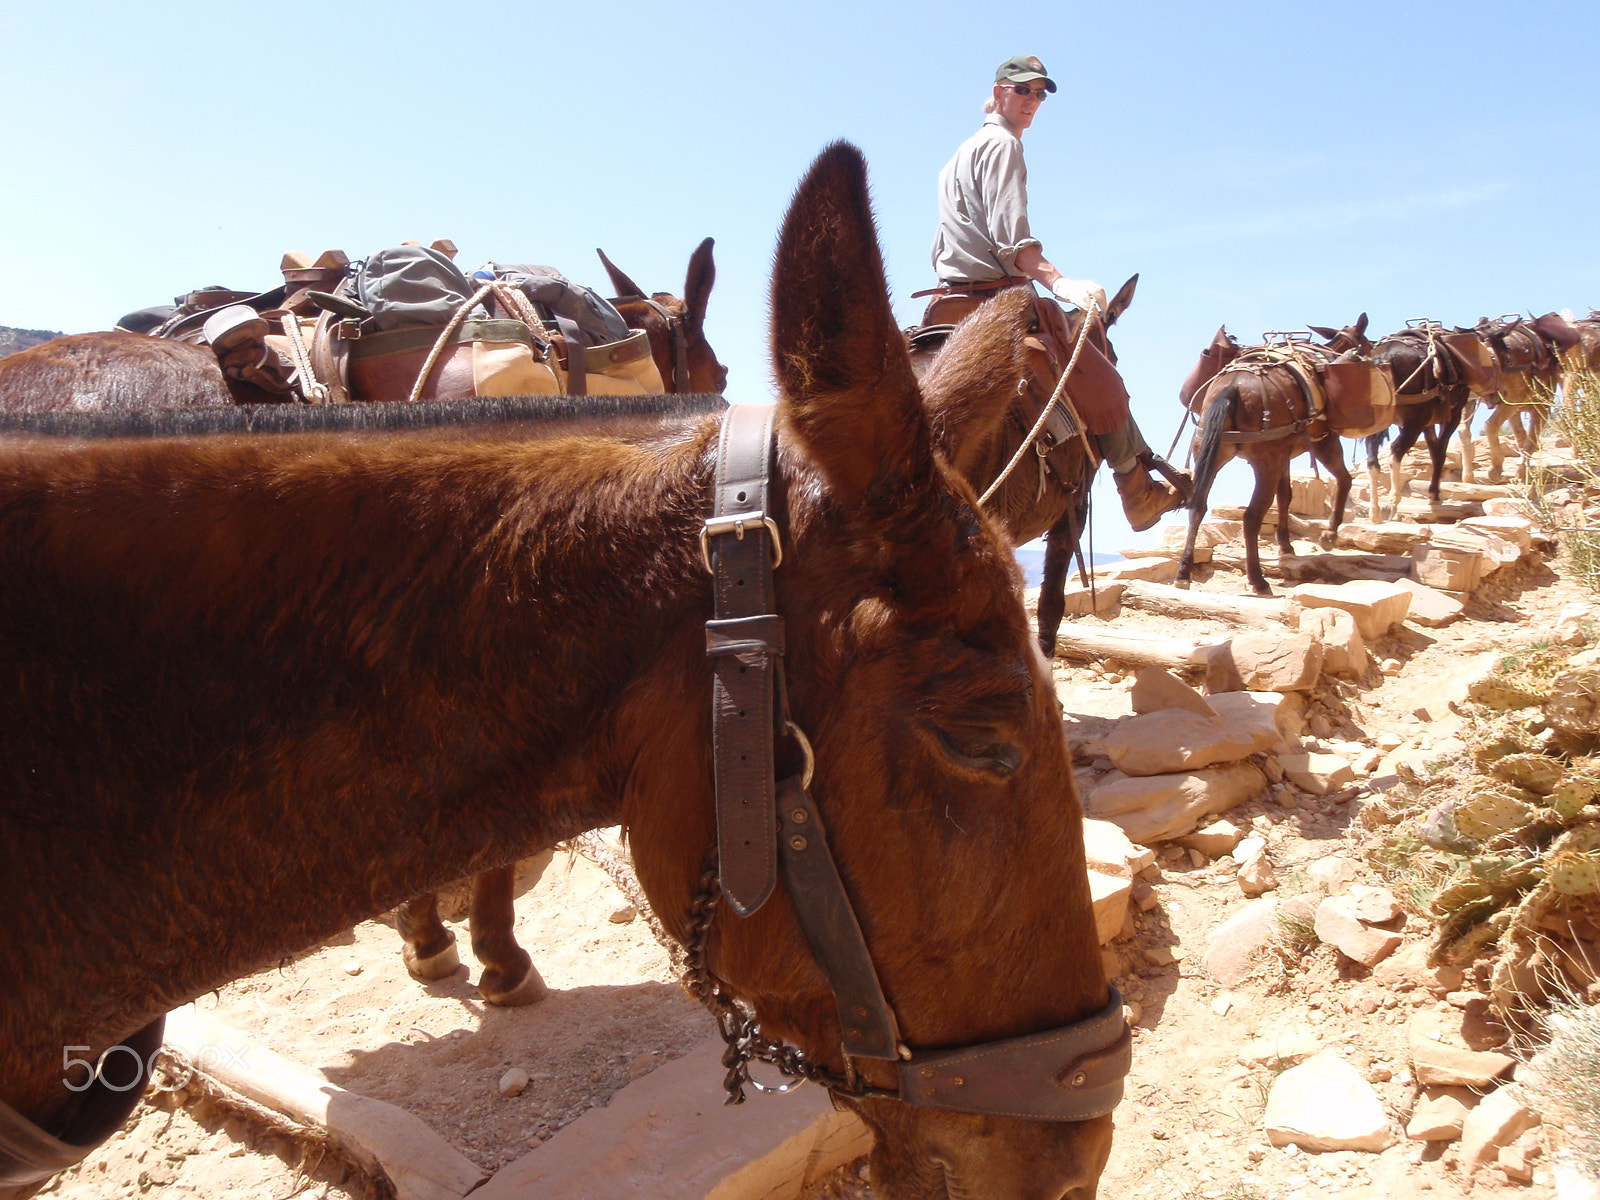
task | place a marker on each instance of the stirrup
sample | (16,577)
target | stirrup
(1182,481)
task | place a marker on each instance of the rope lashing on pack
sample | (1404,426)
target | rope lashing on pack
(1431,356)
(1044,415)
(514,302)
(310,387)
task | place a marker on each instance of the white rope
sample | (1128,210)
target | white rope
(514,302)
(1038,426)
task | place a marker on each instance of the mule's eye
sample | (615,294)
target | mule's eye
(978,751)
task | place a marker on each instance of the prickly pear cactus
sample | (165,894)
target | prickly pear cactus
(1579,786)
(1498,690)
(1540,957)
(1573,705)
(1485,814)
(1501,737)
(1537,773)
(1498,877)
(1574,872)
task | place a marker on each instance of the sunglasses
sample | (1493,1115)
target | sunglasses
(1023,89)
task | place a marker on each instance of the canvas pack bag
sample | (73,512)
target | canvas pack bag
(412,293)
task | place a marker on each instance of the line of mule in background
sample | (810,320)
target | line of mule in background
(1293,394)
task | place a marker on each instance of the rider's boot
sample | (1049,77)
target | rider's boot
(1144,499)
(237,335)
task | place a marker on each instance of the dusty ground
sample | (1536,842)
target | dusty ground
(1189,1127)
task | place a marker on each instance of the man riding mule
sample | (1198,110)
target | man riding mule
(984,245)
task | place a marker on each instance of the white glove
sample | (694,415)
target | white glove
(1080,293)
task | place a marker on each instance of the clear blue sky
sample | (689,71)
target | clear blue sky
(1262,165)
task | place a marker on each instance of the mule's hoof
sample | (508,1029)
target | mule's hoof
(435,966)
(530,990)
(1182,584)
(1327,539)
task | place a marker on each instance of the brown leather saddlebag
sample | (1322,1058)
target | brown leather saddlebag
(1480,370)
(1360,398)
(1203,373)
(485,358)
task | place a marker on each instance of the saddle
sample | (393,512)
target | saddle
(1095,391)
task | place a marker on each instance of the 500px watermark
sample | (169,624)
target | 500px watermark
(121,1068)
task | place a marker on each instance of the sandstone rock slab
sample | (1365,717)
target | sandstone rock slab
(1376,606)
(1240,940)
(1325,1104)
(1156,808)
(1109,895)
(1109,850)
(1338,926)
(1156,688)
(1265,662)
(1213,840)
(1439,1058)
(1440,1113)
(1178,740)
(1431,607)
(1497,1120)
(1450,568)
(1319,774)
(1343,650)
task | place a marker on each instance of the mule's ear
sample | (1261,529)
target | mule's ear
(1120,302)
(697,283)
(972,384)
(620,283)
(1221,338)
(1361,325)
(1323,332)
(846,388)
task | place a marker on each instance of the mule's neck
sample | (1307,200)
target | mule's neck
(320,676)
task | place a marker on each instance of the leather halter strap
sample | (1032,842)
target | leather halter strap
(1072,1073)
(29,1154)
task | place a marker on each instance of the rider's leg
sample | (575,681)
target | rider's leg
(1144,498)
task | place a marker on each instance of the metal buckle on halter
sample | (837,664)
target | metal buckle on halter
(735,523)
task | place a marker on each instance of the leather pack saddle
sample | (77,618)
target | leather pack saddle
(1096,390)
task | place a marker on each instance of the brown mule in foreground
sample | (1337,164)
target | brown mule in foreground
(131,372)
(261,687)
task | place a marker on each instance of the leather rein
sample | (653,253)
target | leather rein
(768,826)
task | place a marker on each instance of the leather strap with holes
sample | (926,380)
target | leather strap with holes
(746,634)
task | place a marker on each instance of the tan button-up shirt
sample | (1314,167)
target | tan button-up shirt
(983,207)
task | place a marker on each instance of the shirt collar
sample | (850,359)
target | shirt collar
(1005,125)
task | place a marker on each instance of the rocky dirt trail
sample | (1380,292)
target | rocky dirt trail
(1214,1034)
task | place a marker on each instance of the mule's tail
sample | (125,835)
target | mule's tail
(1214,422)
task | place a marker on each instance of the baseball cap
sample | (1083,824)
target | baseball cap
(1021,69)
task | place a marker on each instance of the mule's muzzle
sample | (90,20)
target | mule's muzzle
(1074,1073)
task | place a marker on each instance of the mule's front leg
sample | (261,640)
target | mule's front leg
(1059,545)
(1491,434)
(1331,454)
(1468,466)
(509,977)
(430,951)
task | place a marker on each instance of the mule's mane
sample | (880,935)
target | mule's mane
(396,415)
